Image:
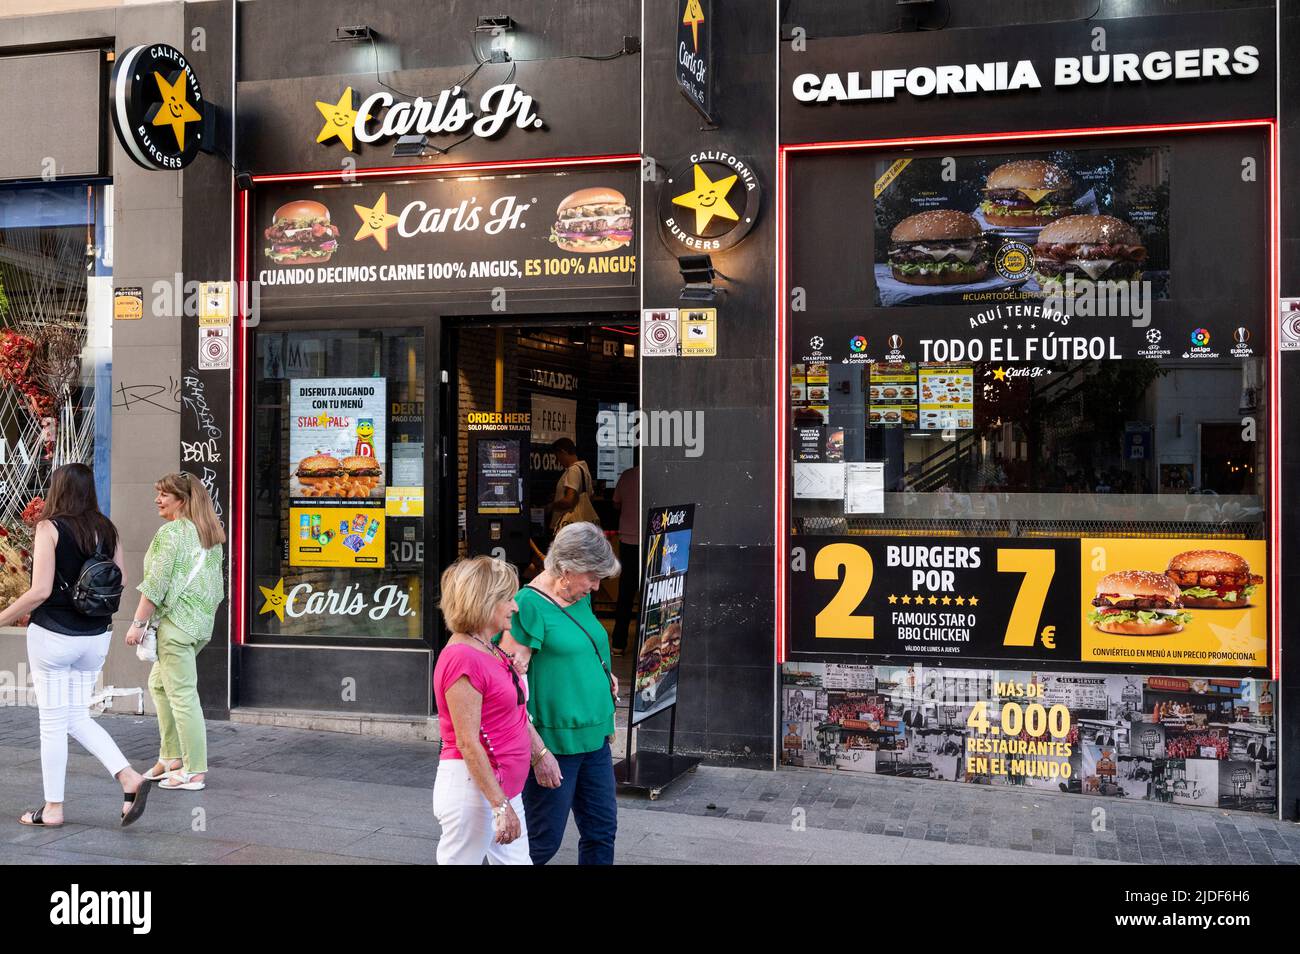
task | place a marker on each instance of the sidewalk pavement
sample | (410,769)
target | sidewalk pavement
(290,796)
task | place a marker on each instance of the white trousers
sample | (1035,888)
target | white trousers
(466,820)
(64,671)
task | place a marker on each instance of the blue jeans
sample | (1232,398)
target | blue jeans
(587,791)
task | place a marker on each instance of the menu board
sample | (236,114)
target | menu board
(809,397)
(663,609)
(947,397)
(338,440)
(892,395)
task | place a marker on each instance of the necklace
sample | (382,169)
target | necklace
(493,650)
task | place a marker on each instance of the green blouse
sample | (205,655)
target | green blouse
(568,689)
(167,565)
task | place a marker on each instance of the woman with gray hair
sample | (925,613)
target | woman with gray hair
(555,637)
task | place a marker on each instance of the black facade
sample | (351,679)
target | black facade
(625,115)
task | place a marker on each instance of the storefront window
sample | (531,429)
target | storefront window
(338,484)
(1024,382)
(55,341)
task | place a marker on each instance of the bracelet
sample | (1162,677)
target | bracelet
(499,811)
(140,622)
(540,755)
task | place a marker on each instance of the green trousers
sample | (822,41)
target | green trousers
(174,685)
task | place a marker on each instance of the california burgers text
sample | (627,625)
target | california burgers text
(1005,77)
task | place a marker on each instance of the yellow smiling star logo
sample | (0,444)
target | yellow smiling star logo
(693,17)
(709,199)
(376,221)
(1241,639)
(174,110)
(999,374)
(274,600)
(340,119)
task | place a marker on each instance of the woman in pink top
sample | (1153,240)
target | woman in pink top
(488,744)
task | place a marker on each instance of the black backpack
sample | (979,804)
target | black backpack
(98,590)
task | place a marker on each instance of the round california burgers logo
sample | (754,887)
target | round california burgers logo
(157,106)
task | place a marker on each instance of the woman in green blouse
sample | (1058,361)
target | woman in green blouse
(181,590)
(557,640)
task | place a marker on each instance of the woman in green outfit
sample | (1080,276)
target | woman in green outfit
(181,590)
(557,640)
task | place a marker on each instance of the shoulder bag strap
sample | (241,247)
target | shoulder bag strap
(594,648)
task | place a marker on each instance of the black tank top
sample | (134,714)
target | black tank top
(57,613)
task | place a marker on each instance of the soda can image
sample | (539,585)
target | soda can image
(325,537)
(315,524)
(304,527)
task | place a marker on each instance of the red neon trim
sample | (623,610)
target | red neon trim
(618,331)
(1275,391)
(1033,134)
(395,171)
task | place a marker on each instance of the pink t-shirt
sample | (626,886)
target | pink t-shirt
(504,722)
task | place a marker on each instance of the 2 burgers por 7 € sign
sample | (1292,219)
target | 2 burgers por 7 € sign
(1001,599)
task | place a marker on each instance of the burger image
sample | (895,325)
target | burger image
(359,467)
(319,466)
(1088,248)
(649,663)
(873,417)
(1026,193)
(592,220)
(301,234)
(939,247)
(670,649)
(1138,603)
(1213,579)
(890,392)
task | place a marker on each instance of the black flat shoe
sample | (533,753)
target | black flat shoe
(37,821)
(137,800)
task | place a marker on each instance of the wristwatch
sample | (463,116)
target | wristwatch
(142,623)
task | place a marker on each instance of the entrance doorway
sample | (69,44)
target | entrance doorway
(512,390)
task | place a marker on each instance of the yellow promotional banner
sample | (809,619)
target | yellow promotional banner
(1174,602)
(340,536)
(404,501)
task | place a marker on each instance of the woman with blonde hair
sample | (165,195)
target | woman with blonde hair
(488,744)
(181,590)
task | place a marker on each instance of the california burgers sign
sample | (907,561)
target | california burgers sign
(157,106)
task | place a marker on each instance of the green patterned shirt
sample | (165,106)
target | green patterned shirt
(167,565)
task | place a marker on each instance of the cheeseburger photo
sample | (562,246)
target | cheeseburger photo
(1088,248)
(592,220)
(1138,603)
(1026,193)
(1213,579)
(939,247)
(301,234)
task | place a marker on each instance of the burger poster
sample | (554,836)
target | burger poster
(337,453)
(1018,227)
(1175,602)
(537,230)
(1181,606)
(667,556)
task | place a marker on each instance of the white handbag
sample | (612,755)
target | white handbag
(147,649)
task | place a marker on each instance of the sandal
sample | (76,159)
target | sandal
(164,773)
(182,780)
(37,821)
(137,800)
